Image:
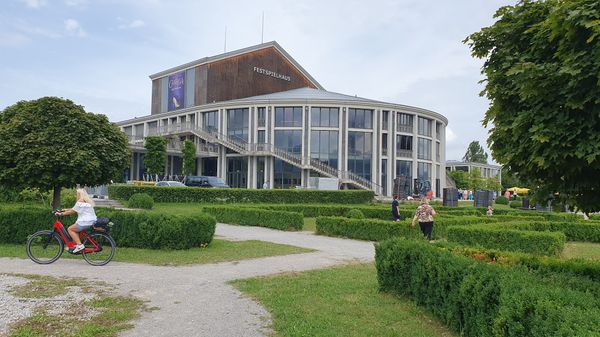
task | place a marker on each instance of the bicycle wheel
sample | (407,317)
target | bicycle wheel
(44,247)
(99,250)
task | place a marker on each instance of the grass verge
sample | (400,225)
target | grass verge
(342,301)
(586,250)
(310,224)
(217,251)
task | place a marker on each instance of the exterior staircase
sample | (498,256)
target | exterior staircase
(241,146)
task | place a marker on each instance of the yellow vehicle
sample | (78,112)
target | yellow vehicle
(143,183)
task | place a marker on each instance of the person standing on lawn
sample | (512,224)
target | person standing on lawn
(424,214)
(395,209)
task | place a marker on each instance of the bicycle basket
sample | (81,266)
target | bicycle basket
(101,225)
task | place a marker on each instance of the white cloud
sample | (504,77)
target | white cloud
(450,135)
(72,27)
(35,4)
(131,25)
(13,40)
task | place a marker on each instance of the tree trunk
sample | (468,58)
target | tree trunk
(56,198)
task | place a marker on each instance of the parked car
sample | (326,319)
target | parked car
(205,181)
(170,183)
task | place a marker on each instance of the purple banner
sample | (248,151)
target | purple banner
(176,91)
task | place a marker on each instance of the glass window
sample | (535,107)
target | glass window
(190,80)
(403,182)
(324,147)
(288,116)
(209,120)
(384,119)
(424,127)
(360,148)
(424,171)
(384,175)
(261,136)
(286,175)
(404,122)
(384,145)
(360,118)
(324,117)
(260,172)
(261,116)
(437,151)
(404,142)
(424,149)
(237,123)
(289,140)
(237,172)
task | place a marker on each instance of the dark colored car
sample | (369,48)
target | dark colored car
(205,181)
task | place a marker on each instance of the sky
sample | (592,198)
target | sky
(100,53)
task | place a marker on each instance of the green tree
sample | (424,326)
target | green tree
(156,154)
(511,179)
(475,153)
(542,60)
(51,143)
(189,158)
(461,178)
(476,181)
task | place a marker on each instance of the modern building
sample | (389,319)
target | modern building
(257,116)
(487,170)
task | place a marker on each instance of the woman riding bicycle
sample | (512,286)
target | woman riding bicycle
(84,207)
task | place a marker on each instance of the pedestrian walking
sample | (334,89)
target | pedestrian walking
(395,209)
(424,214)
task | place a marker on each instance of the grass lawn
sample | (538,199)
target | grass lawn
(310,224)
(217,251)
(342,301)
(586,250)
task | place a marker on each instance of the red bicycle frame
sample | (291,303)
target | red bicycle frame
(66,237)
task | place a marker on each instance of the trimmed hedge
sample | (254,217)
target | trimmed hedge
(365,229)
(140,200)
(238,195)
(483,300)
(501,200)
(495,237)
(574,231)
(132,228)
(515,204)
(256,217)
(355,214)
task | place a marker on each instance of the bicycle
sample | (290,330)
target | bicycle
(47,246)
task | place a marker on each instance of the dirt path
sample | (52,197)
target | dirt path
(195,300)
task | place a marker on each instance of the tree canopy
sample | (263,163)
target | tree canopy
(50,143)
(155,157)
(189,158)
(475,153)
(542,60)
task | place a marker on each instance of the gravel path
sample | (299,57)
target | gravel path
(195,300)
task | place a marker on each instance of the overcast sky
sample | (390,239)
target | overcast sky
(100,53)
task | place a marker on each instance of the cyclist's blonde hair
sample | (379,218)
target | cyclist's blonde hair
(83,195)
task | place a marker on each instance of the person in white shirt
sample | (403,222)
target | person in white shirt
(84,207)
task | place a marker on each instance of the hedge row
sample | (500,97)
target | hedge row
(483,300)
(237,195)
(132,229)
(364,229)
(490,236)
(574,231)
(313,211)
(256,217)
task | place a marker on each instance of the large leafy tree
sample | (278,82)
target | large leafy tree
(155,157)
(542,60)
(189,158)
(51,143)
(475,153)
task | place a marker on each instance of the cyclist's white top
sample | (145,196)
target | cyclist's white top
(85,212)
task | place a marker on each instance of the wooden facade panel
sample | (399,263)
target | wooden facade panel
(156,93)
(201,84)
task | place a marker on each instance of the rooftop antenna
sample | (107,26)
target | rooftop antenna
(262,33)
(225,44)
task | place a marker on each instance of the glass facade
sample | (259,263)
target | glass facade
(288,116)
(210,121)
(289,140)
(424,127)
(261,116)
(324,117)
(324,146)
(385,115)
(384,144)
(360,118)
(286,175)
(384,175)
(237,123)
(237,172)
(404,122)
(424,171)
(260,172)
(404,172)
(360,149)
(404,146)
(424,149)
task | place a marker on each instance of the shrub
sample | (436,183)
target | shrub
(483,300)
(355,214)
(140,200)
(256,217)
(364,229)
(132,229)
(237,195)
(501,200)
(515,204)
(574,231)
(489,236)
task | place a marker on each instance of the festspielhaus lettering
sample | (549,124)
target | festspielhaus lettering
(272,74)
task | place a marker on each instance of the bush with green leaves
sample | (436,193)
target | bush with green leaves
(574,231)
(355,214)
(138,229)
(501,200)
(365,229)
(515,204)
(496,237)
(256,217)
(240,195)
(140,200)
(478,299)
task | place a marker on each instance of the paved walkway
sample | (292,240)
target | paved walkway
(195,300)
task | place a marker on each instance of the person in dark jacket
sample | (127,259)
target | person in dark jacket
(395,209)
